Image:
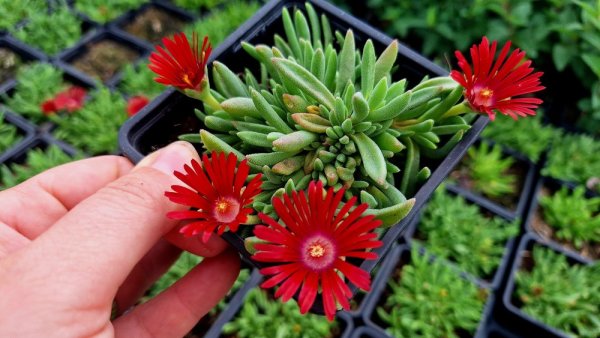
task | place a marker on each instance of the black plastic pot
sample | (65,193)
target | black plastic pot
(400,256)
(368,332)
(523,198)
(554,185)
(78,50)
(512,315)
(146,131)
(25,129)
(237,301)
(129,17)
(25,53)
(494,281)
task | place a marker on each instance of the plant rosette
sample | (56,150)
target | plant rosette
(545,305)
(496,177)
(333,146)
(481,240)
(416,294)
(15,133)
(566,215)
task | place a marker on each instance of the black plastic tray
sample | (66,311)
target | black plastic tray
(25,129)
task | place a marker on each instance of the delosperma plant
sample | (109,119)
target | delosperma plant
(561,295)
(574,217)
(9,135)
(337,142)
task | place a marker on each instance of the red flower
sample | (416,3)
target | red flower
(217,196)
(492,86)
(135,104)
(181,65)
(311,249)
(70,100)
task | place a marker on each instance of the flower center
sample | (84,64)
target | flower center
(226,209)
(318,252)
(483,97)
(186,79)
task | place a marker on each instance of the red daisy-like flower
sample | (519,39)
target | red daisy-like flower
(493,86)
(217,194)
(181,65)
(69,100)
(311,249)
(135,104)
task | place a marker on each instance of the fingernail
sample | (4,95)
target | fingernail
(171,158)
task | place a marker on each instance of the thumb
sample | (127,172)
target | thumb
(98,242)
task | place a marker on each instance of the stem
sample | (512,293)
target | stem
(208,99)
(461,108)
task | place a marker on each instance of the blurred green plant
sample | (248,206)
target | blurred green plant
(263,317)
(575,158)
(561,295)
(221,22)
(527,136)
(429,299)
(51,32)
(139,80)
(95,127)
(37,161)
(14,11)
(478,242)
(574,217)
(103,11)
(562,35)
(36,83)
(488,169)
(9,135)
(196,5)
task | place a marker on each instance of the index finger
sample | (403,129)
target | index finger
(34,205)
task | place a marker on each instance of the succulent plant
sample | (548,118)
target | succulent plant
(331,114)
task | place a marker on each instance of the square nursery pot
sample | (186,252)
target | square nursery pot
(83,53)
(146,131)
(145,25)
(397,258)
(236,303)
(23,52)
(523,168)
(368,332)
(492,281)
(513,316)
(25,129)
(537,226)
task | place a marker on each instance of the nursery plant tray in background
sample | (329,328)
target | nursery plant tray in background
(172,114)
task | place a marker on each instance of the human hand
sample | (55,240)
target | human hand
(80,236)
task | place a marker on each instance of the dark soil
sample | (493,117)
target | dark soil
(154,24)
(9,63)
(462,177)
(104,59)
(546,231)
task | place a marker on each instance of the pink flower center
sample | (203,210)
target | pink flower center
(318,252)
(226,209)
(483,97)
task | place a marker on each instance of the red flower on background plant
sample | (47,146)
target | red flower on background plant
(217,194)
(181,65)
(311,249)
(493,86)
(69,100)
(135,104)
